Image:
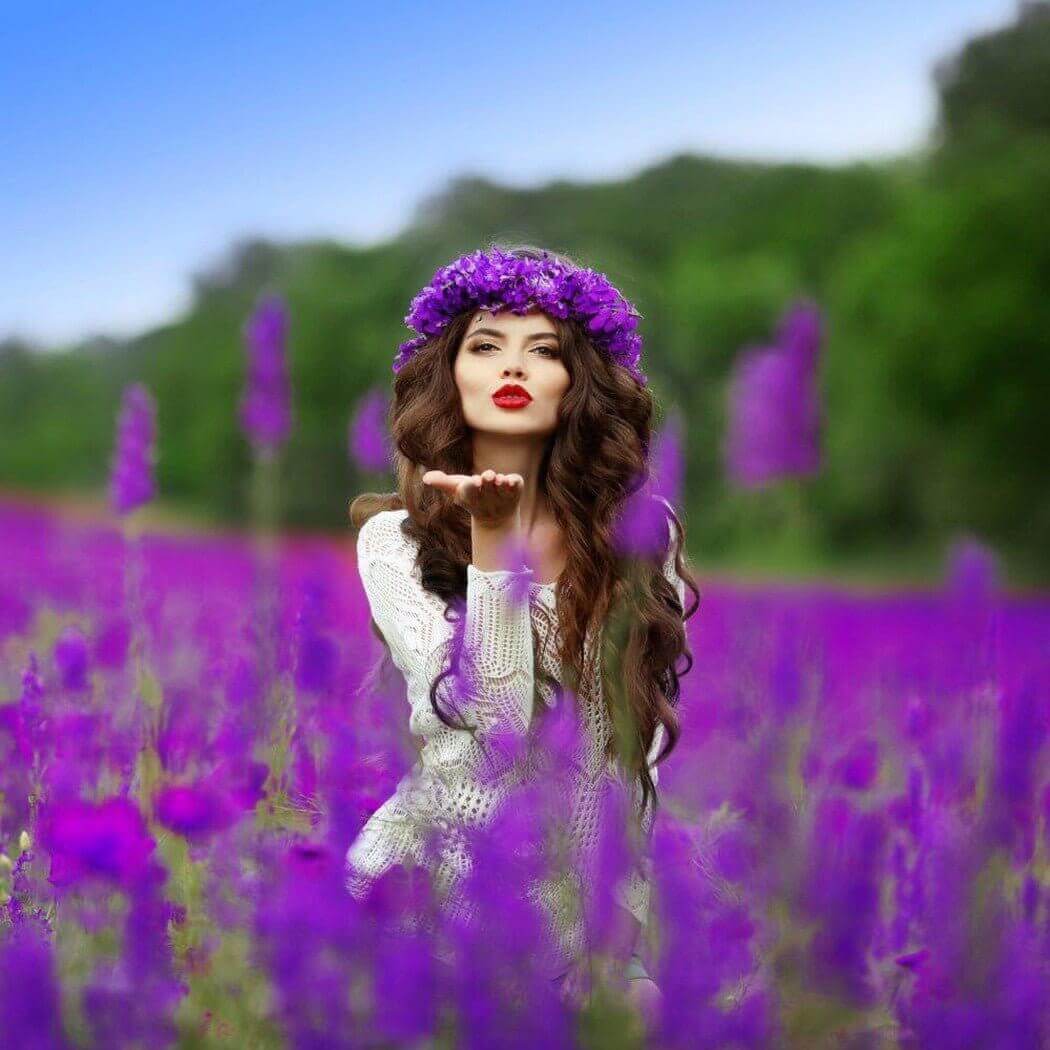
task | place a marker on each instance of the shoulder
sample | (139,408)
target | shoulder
(382,534)
(383,521)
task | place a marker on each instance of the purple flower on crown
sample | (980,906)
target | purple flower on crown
(774,418)
(131,481)
(266,410)
(496,280)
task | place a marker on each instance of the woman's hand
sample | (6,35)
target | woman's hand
(491,498)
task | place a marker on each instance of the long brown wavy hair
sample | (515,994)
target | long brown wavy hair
(595,460)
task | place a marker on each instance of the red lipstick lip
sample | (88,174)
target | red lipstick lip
(510,395)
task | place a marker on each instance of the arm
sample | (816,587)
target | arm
(453,783)
(496,628)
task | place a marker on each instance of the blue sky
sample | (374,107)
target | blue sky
(139,140)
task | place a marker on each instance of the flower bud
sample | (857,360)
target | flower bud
(5,862)
(25,843)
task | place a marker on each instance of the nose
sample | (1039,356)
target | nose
(514,370)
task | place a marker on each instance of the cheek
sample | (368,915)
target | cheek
(473,389)
(559,385)
(465,377)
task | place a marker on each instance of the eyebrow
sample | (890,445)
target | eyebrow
(499,335)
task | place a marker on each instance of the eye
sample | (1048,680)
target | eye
(548,351)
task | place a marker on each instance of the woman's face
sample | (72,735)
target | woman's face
(505,348)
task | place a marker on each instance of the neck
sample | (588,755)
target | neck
(507,454)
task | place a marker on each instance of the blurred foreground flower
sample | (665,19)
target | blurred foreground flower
(71,658)
(211,804)
(108,840)
(641,528)
(30,997)
(265,410)
(774,409)
(131,481)
(369,443)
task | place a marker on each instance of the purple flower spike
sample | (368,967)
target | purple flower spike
(369,443)
(266,410)
(32,684)
(131,482)
(71,658)
(799,332)
(30,1005)
(973,572)
(774,418)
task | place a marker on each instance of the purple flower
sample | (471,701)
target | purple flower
(1023,731)
(111,642)
(194,812)
(497,280)
(310,860)
(32,685)
(913,960)
(799,332)
(266,411)
(108,841)
(859,767)
(317,655)
(972,574)
(131,481)
(30,1008)
(71,658)
(642,526)
(369,443)
(212,804)
(774,419)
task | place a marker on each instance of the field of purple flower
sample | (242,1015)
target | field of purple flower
(852,847)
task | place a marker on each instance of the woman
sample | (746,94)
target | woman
(522,424)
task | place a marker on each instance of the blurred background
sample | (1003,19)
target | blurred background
(887,165)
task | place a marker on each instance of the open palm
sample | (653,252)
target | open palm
(491,498)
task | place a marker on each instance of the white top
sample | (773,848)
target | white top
(444,788)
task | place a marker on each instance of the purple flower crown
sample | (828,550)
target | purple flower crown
(495,279)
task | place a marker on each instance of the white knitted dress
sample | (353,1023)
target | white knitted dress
(443,788)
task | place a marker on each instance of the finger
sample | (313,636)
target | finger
(489,475)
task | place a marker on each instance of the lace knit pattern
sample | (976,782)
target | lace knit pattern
(444,789)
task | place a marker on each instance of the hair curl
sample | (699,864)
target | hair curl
(594,461)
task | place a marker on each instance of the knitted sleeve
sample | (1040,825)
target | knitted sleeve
(497,633)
